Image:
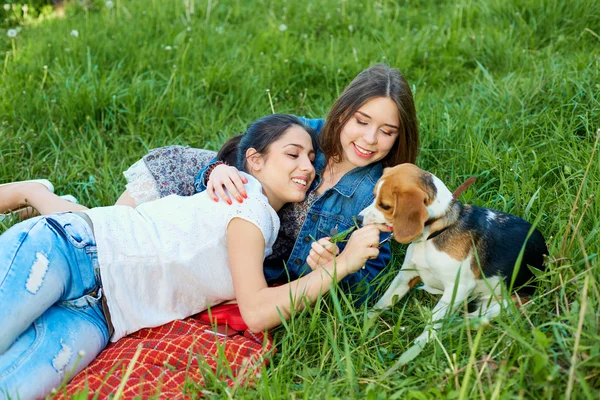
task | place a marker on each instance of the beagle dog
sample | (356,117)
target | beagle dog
(462,252)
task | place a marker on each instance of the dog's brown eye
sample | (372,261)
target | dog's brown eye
(384,207)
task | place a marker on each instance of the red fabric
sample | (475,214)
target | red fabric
(226,314)
(172,355)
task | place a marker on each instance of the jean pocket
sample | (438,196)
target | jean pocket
(91,299)
(76,232)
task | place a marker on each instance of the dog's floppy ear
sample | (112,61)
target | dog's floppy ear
(410,215)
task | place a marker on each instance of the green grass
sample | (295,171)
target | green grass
(508,91)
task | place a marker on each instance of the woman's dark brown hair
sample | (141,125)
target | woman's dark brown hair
(377,81)
(260,135)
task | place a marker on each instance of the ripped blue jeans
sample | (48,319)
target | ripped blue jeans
(51,320)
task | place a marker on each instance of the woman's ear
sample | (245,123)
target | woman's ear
(254,159)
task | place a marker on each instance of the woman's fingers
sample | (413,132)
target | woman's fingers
(236,187)
(363,246)
(312,262)
(325,248)
(321,252)
(226,179)
(220,193)
(330,247)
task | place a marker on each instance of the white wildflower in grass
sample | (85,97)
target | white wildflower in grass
(25,8)
(283,27)
(12,33)
(109,4)
(350,28)
(6,7)
(168,48)
(74,33)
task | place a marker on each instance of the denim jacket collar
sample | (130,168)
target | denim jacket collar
(351,179)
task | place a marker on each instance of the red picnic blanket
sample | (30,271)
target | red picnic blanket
(176,357)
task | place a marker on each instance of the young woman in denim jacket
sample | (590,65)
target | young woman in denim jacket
(355,147)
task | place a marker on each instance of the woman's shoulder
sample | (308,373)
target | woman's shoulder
(257,210)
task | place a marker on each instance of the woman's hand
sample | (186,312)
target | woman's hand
(226,177)
(362,246)
(321,252)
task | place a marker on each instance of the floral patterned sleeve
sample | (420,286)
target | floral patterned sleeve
(165,171)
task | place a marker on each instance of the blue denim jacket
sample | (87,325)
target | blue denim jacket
(333,210)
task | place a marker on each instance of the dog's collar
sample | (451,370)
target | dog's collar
(436,233)
(428,227)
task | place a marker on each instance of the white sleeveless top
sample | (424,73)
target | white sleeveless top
(167,259)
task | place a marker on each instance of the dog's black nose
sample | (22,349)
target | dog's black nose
(360,219)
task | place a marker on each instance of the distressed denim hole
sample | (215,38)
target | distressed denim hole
(62,358)
(38,271)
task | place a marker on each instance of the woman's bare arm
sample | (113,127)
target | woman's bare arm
(19,195)
(33,198)
(260,305)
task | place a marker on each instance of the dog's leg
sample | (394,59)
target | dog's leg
(442,308)
(489,308)
(399,286)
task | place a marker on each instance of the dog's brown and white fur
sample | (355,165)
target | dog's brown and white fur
(472,248)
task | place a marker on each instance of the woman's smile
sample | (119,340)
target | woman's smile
(362,152)
(301,182)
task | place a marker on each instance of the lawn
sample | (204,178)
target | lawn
(506,90)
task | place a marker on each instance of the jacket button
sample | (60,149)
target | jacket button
(307,238)
(298,261)
(315,218)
